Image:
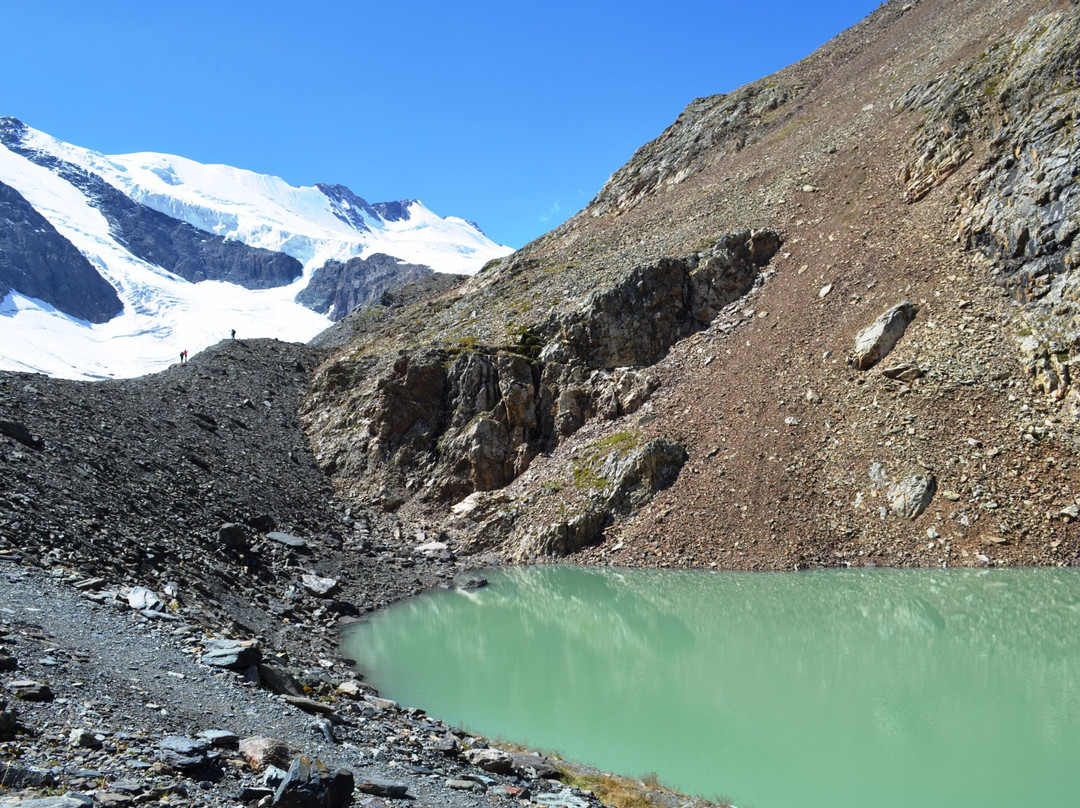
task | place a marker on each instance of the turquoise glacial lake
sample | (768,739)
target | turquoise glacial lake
(880,688)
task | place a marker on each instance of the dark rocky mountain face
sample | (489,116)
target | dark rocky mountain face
(924,161)
(347,206)
(193,254)
(38,262)
(337,288)
(394,211)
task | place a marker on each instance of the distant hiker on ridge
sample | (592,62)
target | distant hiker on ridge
(234,333)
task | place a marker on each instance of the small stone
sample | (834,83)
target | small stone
(432,549)
(287,539)
(83,738)
(254,794)
(464,785)
(219,737)
(824,291)
(511,792)
(317,585)
(309,705)
(906,372)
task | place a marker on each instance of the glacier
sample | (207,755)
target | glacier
(164,314)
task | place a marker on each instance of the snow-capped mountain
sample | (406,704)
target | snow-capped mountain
(190,251)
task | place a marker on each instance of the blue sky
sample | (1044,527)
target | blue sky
(510,114)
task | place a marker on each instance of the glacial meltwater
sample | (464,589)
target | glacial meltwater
(843,688)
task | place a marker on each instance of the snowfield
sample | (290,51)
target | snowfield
(164,314)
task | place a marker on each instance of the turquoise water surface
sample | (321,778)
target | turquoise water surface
(875,688)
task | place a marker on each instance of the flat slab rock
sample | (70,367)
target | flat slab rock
(287,539)
(392,789)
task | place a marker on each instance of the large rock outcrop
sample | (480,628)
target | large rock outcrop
(337,287)
(440,423)
(1022,210)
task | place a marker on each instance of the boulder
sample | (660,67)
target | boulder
(181,753)
(874,342)
(9,722)
(83,738)
(234,535)
(535,766)
(29,690)
(912,495)
(317,585)
(354,689)
(490,760)
(140,598)
(383,788)
(261,752)
(234,657)
(310,784)
(278,680)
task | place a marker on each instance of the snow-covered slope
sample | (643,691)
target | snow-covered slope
(164,314)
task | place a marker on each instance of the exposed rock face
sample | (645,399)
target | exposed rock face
(447,422)
(347,206)
(708,130)
(638,320)
(38,262)
(193,254)
(1022,210)
(612,477)
(337,288)
(397,211)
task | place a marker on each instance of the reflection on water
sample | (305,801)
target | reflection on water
(839,688)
